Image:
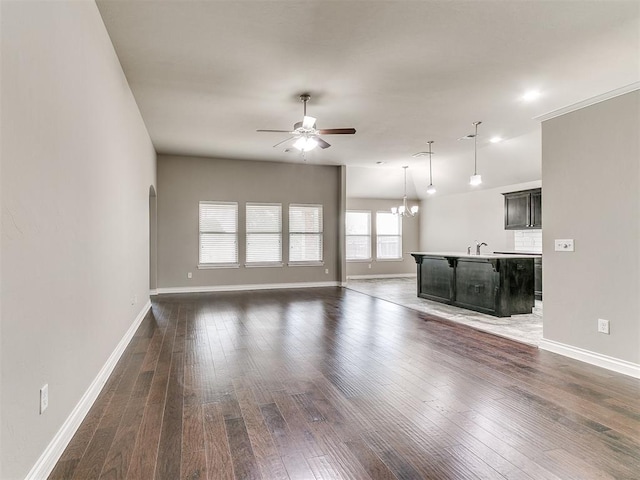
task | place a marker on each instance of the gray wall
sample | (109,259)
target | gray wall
(410,243)
(77,164)
(185,181)
(591,177)
(453,222)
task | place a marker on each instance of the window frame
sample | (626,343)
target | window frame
(320,234)
(369,236)
(247,234)
(400,258)
(210,265)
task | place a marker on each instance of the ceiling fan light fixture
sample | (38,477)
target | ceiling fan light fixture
(305,144)
(305,135)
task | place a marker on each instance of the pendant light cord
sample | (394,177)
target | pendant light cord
(405,182)
(430,173)
(475,149)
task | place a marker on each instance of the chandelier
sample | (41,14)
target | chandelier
(403,210)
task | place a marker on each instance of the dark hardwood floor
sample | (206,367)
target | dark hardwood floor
(330,383)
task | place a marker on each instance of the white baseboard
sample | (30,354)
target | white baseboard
(47,461)
(153,292)
(604,361)
(387,275)
(238,288)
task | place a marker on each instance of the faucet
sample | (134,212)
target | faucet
(469,250)
(478,245)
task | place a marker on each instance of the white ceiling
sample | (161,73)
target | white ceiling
(207,74)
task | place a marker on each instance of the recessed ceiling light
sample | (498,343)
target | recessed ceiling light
(531,95)
(380,163)
(496,139)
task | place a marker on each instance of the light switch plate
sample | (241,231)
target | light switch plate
(564,245)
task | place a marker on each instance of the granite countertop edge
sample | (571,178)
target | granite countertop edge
(483,256)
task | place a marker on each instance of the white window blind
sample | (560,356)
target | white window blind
(218,233)
(305,233)
(358,235)
(264,233)
(388,236)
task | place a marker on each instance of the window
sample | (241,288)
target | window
(305,234)
(358,237)
(388,236)
(264,233)
(218,234)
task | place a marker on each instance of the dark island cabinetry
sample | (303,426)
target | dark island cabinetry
(523,210)
(538,277)
(499,285)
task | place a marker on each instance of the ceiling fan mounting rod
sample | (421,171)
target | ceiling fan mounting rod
(305,97)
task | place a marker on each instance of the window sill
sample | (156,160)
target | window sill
(360,260)
(305,264)
(208,266)
(262,265)
(390,259)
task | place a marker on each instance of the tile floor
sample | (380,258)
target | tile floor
(523,328)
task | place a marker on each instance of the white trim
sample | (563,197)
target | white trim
(593,358)
(47,461)
(588,102)
(153,292)
(211,266)
(263,264)
(238,288)
(386,275)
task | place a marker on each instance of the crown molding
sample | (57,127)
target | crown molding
(588,102)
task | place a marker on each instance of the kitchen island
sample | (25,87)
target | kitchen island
(496,284)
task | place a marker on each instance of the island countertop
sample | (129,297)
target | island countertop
(466,255)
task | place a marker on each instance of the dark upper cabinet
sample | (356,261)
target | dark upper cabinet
(523,210)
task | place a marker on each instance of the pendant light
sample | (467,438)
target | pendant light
(403,210)
(430,189)
(475,179)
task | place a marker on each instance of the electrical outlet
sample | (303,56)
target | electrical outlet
(44,398)
(326,270)
(189,275)
(603,326)
(369,265)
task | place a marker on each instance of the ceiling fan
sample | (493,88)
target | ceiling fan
(305,133)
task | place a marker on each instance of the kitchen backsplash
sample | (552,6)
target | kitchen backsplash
(528,240)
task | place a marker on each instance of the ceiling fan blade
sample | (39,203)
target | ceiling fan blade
(278,131)
(308,122)
(322,143)
(283,141)
(337,131)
